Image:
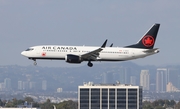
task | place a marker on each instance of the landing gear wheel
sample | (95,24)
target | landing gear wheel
(35,63)
(90,64)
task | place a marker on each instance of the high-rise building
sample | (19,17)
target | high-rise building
(7,83)
(152,87)
(178,82)
(114,96)
(25,85)
(20,85)
(104,77)
(144,79)
(32,85)
(122,75)
(1,86)
(44,85)
(133,80)
(107,77)
(171,88)
(161,79)
(173,76)
(59,90)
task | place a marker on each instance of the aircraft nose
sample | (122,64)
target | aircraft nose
(23,53)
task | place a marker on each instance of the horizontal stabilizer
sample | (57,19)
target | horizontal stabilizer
(155,50)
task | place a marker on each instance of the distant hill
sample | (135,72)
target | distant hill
(69,78)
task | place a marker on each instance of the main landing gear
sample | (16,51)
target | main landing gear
(90,64)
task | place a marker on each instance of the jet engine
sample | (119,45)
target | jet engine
(73,58)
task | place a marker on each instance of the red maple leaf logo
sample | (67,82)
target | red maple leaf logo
(148,41)
(44,54)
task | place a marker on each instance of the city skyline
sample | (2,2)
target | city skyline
(153,80)
(58,82)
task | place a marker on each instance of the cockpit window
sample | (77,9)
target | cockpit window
(30,49)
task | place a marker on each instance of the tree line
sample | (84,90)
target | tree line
(161,104)
(28,101)
(157,104)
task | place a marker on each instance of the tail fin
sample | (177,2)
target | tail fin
(148,40)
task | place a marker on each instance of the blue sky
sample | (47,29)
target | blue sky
(25,23)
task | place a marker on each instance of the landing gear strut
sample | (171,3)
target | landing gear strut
(35,63)
(90,64)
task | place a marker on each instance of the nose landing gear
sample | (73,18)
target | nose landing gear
(35,63)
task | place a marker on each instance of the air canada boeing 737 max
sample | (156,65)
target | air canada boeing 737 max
(77,54)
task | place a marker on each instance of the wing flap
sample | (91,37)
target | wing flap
(91,55)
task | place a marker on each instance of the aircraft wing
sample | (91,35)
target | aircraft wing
(93,54)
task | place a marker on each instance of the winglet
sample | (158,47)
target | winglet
(104,44)
(111,45)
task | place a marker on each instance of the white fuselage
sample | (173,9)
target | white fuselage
(107,54)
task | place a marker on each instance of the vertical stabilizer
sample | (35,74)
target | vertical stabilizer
(148,40)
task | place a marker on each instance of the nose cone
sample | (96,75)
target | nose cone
(23,53)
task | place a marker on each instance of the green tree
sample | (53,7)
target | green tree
(161,102)
(14,102)
(177,106)
(10,104)
(67,105)
(159,107)
(35,104)
(1,103)
(147,105)
(20,102)
(47,105)
(155,103)
(172,103)
(48,101)
(28,99)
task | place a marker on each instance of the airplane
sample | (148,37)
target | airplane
(77,54)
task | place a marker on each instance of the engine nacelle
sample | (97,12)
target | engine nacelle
(73,58)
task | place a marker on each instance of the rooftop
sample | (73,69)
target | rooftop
(117,84)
